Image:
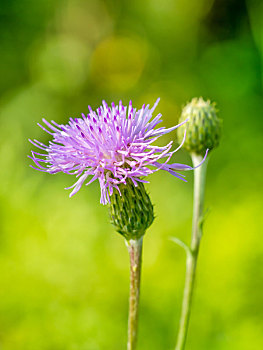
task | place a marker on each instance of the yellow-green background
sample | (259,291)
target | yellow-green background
(63,269)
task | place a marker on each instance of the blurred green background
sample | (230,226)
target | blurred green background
(64,271)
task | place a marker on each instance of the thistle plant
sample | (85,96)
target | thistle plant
(203,133)
(114,145)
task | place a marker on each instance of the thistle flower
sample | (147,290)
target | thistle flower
(203,132)
(112,144)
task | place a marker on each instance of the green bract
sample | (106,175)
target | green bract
(203,129)
(131,212)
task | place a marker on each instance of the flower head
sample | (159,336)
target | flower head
(112,144)
(204,127)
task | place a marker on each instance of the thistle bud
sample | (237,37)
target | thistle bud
(203,129)
(131,212)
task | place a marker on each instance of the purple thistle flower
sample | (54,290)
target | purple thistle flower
(112,145)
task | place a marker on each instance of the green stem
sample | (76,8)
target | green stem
(191,261)
(135,253)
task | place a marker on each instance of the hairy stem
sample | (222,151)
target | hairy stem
(135,253)
(192,255)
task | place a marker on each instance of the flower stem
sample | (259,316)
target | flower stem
(135,252)
(192,255)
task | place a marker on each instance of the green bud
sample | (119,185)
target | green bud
(203,130)
(131,212)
